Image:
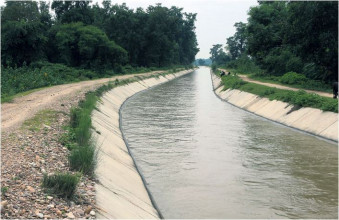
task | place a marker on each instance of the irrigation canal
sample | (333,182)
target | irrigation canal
(204,158)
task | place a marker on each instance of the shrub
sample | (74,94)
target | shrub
(267,92)
(293,78)
(232,82)
(61,184)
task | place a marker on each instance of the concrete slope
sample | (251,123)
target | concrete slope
(311,120)
(120,190)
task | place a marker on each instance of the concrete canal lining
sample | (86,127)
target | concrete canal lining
(310,120)
(120,191)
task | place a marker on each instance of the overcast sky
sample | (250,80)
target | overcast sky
(215,18)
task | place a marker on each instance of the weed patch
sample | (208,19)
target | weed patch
(61,184)
(46,117)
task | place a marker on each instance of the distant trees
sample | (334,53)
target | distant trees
(94,37)
(218,56)
(288,36)
(203,62)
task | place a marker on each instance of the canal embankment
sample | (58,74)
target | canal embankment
(120,190)
(314,121)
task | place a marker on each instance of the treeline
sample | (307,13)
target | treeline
(203,62)
(104,39)
(281,37)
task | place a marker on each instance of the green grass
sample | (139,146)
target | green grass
(299,98)
(17,81)
(83,156)
(21,94)
(289,80)
(4,190)
(46,117)
(61,184)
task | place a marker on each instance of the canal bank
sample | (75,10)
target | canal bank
(310,120)
(120,190)
(204,158)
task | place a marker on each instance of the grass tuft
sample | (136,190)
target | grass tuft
(61,184)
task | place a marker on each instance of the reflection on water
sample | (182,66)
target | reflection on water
(203,158)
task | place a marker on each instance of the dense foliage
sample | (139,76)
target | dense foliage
(283,37)
(102,39)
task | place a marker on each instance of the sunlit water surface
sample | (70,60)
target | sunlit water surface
(204,158)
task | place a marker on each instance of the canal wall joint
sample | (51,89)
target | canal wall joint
(120,190)
(310,120)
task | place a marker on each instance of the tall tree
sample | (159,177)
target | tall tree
(236,44)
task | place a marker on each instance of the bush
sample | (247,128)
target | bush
(232,82)
(293,78)
(61,184)
(281,60)
(267,92)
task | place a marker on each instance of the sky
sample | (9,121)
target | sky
(215,18)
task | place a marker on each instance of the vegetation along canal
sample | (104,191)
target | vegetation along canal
(204,158)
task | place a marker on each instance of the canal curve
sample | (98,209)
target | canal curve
(204,158)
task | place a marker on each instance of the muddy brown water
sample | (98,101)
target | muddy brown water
(204,158)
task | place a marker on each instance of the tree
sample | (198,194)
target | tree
(236,44)
(218,56)
(23,37)
(87,46)
(73,11)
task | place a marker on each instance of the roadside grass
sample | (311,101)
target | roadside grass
(43,117)
(299,98)
(61,184)
(17,81)
(289,80)
(21,94)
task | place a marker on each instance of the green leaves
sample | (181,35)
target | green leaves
(87,46)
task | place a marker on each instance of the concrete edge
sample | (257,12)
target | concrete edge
(331,136)
(143,204)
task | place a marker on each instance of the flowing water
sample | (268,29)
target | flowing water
(204,158)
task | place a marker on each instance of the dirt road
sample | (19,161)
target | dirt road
(245,78)
(15,113)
